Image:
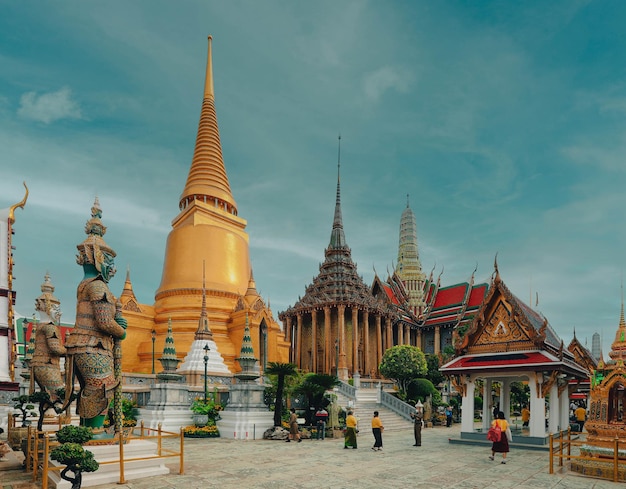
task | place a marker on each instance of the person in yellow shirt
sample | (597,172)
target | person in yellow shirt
(350,438)
(377,430)
(525,416)
(581,416)
(501,446)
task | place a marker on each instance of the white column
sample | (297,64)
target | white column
(467,408)
(555,412)
(505,398)
(487,404)
(537,423)
(564,408)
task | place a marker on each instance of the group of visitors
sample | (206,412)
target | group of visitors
(350,437)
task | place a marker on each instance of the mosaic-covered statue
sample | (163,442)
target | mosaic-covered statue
(49,347)
(99,323)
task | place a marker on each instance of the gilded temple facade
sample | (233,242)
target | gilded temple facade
(208,237)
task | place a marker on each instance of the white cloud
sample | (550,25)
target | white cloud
(49,107)
(384,79)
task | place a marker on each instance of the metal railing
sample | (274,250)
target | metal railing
(139,432)
(613,461)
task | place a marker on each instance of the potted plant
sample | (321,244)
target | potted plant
(18,434)
(72,454)
(206,413)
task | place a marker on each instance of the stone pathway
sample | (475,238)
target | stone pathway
(225,464)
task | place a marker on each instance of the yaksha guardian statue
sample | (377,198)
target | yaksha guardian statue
(48,344)
(99,323)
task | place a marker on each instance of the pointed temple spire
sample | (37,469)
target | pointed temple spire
(203,332)
(409,267)
(618,348)
(246,359)
(169,360)
(337,236)
(207,181)
(128,286)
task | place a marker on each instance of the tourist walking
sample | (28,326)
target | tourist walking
(581,416)
(321,417)
(448,416)
(501,446)
(377,430)
(418,424)
(294,432)
(350,438)
(525,416)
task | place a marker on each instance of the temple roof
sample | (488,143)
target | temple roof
(207,179)
(338,281)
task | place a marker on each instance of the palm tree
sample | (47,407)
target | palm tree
(281,370)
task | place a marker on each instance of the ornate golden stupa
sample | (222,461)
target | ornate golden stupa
(207,235)
(607,416)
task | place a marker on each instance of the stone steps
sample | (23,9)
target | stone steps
(364,408)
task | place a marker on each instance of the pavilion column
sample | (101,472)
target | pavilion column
(437,340)
(389,329)
(487,404)
(400,334)
(555,414)
(366,342)
(564,406)
(537,423)
(298,359)
(467,407)
(327,343)
(379,342)
(314,341)
(418,340)
(407,334)
(355,340)
(343,366)
(505,397)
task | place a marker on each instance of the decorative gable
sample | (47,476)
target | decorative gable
(501,325)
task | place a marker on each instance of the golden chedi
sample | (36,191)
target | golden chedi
(207,234)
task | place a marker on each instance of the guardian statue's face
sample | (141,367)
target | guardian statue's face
(107,269)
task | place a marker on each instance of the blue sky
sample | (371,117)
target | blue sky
(504,121)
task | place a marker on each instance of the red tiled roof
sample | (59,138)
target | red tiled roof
(499,360)
(451,295)
(477,295)
(390,294)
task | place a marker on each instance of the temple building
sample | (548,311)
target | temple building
(207,234)
(338,327)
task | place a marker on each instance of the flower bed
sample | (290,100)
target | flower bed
(201,432)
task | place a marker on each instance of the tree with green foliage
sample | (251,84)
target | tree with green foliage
(313,387)
(281,370)
(402,364)
(421,389)
(433,374)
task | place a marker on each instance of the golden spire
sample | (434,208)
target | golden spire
(207,181)
(619,345)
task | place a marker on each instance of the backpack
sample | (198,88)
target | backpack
(495,433)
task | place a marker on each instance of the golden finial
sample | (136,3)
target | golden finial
(20,204)
(208,81)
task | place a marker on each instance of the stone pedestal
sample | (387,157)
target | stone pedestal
(110,473)
(169,405)
(246,416)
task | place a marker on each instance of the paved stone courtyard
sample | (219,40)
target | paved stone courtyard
(225,464)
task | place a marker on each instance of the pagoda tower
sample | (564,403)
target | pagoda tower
(409,268)
(207,230)
(338,327)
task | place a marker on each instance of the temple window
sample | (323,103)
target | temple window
(616,403)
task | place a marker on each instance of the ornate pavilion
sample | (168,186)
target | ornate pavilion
(508,341)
